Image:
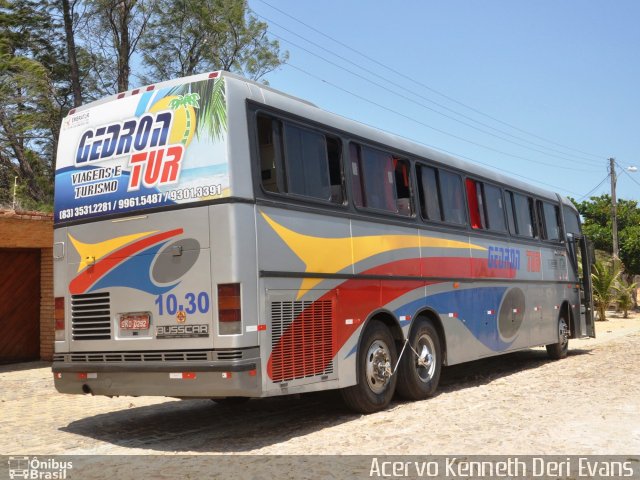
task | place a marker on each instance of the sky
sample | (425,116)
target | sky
(545,91)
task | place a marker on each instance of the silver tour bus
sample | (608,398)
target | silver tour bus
(216,238)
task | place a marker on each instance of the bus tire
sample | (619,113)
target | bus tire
(419,375)
(377,356)
(559,350)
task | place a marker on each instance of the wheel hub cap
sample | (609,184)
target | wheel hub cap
(378,366)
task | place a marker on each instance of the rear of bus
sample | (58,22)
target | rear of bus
(151,295)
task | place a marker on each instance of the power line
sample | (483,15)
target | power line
(628,175)
(593,189)
(457,137)
(555,187)
(395,92)
(423,85)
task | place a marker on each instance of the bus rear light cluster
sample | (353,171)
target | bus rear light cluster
(59,318)
(229,310)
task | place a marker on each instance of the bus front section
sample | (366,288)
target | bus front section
(150,296)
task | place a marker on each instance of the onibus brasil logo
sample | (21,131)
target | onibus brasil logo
(154,141)
(34,468)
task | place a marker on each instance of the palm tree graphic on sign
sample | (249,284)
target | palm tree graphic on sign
(211,118)
(184,101)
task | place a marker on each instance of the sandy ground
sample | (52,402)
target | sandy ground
(517,404)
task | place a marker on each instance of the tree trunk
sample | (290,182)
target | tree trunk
(72,54)
(124,48)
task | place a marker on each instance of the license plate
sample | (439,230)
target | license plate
(134,321)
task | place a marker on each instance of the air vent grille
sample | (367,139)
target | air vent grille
(301,339)
(110,357)
(91,316)
(229,354)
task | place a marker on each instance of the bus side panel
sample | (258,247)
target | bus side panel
(476,309)
(302,330)
(233,260)
(379,250)
(60,281)
(554,267)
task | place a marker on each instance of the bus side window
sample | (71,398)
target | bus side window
(551,221)
(429,193)
(307,162)
(571,220)
(403,188)
(486,210)
(299,160)
(474,198)
(357,182)
(494,208)
(525,215)
(509,204)
(373,175)
(270,161)
(334,151)
(453,205)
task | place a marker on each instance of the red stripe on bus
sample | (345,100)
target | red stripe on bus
(358,298)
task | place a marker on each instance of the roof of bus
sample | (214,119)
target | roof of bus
(283,101)
(303,108)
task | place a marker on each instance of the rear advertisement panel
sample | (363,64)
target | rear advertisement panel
(162,147)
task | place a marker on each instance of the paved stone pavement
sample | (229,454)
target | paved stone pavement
(36,420)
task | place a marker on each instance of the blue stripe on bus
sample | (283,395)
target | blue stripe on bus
(135,273)
(471,305)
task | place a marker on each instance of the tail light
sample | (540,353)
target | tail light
(229,314)
(59,318)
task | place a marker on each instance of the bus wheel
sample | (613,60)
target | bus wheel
(559,350)
(377,357)
(420,368)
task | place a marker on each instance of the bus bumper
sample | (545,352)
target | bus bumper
(169,379)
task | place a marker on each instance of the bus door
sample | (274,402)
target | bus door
(582,257)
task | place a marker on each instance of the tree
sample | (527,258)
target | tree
(30,99)
(604,279)
(597,225)
(625,296)
(56,54)
(114,29)
(191,36)
(68,8)
(629,240)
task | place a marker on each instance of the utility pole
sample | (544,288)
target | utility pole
(614,208)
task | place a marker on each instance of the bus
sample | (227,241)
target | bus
(216,238)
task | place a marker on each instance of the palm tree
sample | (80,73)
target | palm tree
(625,296)
(604,279)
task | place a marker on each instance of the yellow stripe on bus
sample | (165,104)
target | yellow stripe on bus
(332,255)
(92,252)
